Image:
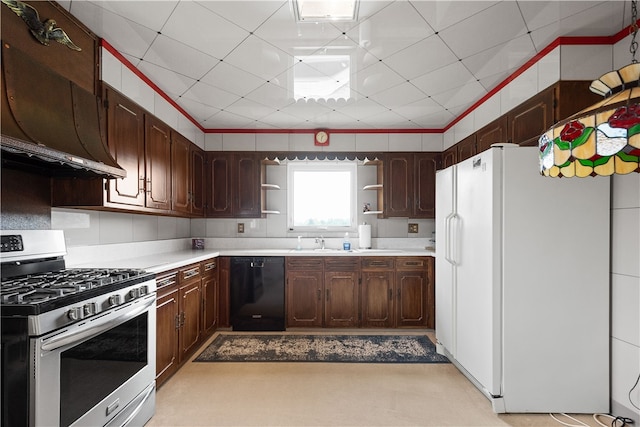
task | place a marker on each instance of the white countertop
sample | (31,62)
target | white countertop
(160,262)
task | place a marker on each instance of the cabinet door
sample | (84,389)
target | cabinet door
(190,301)
(467,148)
(425,166)
(532,118)
(180,173)
(398,185)
(219,185)
(167,326)
(224,270)
(158,163)
(198,177)
(209,296)
(449,157)
(341,304)
(125,138)
(246,185)
(411,298)
(494,132)
(377,299)
(304,298)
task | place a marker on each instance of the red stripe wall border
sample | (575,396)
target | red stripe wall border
(560,41)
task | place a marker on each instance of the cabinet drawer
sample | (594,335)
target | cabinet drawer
(346,263)
(304,263)
(208,267)
(189,273)
(411,263)
(166,281)
(378,263)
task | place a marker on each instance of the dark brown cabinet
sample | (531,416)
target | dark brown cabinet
(233,181)
(186,314)
(198,179)
(530,119)
(378,277)
(181,173)
(409,184)
(467,148)
(322,291)
(414,292)
(304,291)
(167,326)
(493,133)
(210,300)
(341,292)
(157,147)
(190,303)
(450,156)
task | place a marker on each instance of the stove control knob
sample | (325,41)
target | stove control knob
(143,290)
(114,300)
(89,309)
(74,313)
(134,293)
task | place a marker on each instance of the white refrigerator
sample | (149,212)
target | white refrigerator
(522,282)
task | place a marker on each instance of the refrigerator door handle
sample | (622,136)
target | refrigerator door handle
(455,238)
(448,239)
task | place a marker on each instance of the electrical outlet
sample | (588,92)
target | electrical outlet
(241,227)
(413,228)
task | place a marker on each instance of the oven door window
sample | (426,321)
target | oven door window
(92,370)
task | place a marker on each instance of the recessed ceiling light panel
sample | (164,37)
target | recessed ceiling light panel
(325,10)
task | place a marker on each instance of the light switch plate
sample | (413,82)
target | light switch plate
(413,228)
(240,227)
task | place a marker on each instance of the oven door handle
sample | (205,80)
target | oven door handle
(96,329)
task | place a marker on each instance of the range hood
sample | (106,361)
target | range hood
(49,123)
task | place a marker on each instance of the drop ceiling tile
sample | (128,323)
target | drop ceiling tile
(362,108)
(464,96)
(386,119)
(271,94)
(491,27)
(402,94)
(538,14)
(335,120)
(248,108)
(130,38)
(210,95)
(260,58)
(282,30)
(283,120)
(443,14)
(415,111)
(151,14)
(305,109)
(227,120)
(191,24)
(248,14)
(382,39)
(443,79)
(375,78)
(179,58)
(437,120)
(504,58)
(232,79)
(196,109)
(170,82)
(422,57)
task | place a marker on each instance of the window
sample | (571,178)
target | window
(321,196)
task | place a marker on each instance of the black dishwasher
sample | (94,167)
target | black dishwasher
(257,293)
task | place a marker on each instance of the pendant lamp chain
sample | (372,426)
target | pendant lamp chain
(634,28)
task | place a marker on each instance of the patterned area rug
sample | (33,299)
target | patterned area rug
(322,348)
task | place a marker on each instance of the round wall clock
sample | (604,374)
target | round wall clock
(321,138)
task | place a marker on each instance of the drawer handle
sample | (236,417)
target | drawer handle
(167,281)
(209,266)
(191,273)
(413,263)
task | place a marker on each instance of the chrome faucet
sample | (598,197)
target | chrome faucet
(321,241)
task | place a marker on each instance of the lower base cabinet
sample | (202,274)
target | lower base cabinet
(186,310)
(367,292)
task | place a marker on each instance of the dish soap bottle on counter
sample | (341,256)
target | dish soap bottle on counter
(346,244)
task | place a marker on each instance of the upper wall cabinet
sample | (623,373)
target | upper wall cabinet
(233,185)
(157,160)
(525,123)
(409,184)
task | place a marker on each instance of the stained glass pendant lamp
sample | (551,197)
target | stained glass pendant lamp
(604,138)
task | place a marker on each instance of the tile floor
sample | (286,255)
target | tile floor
(329,394)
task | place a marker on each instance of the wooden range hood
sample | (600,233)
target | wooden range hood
(49,123)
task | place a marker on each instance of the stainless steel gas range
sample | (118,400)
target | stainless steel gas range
(78,344)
